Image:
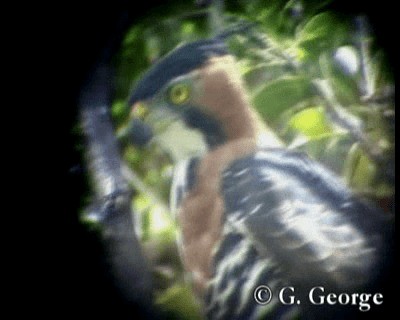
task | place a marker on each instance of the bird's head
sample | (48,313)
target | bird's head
(198,85)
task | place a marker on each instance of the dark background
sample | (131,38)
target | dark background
(74,34)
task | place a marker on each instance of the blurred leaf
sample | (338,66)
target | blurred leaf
(179,303)
(142,202)
(311,122)
(383,190)
(132,155)
(312,7)
(320,33)
(188,30)
(119,111)
(317,28)
(160,223)
(360,171)
(153,50)
(131,37)
(256,76)
(279,95)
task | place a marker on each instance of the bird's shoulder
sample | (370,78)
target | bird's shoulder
(280,175)
(295,209)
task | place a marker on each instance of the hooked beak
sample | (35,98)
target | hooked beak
(140,133)
(157,118)
(145,124)
(165,128)
(137,132)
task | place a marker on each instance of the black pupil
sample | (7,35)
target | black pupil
(179,92)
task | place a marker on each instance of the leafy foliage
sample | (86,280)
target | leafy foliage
(312,76)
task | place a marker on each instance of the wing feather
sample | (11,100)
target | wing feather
(304,216)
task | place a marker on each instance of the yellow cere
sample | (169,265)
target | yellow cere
(179,94)
(140,110)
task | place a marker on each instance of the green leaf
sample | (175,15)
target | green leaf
(256,76)
(313,6)
(179,303)
(365,173)
(311,122)
(279,95)
(360,171)
(119,111)
(322,32)
(142,202)
(317,27)
(131,36)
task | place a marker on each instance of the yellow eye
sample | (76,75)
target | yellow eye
(179,94)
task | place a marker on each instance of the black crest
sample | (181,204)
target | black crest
(180,61)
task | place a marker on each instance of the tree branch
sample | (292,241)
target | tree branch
(111,208)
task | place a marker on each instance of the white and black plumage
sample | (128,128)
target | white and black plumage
(248,215)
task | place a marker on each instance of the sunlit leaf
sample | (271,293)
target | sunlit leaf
(142,202)
(311,122)
(188,29)
(160,221)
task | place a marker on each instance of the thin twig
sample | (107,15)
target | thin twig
(363,39)
(341,117)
